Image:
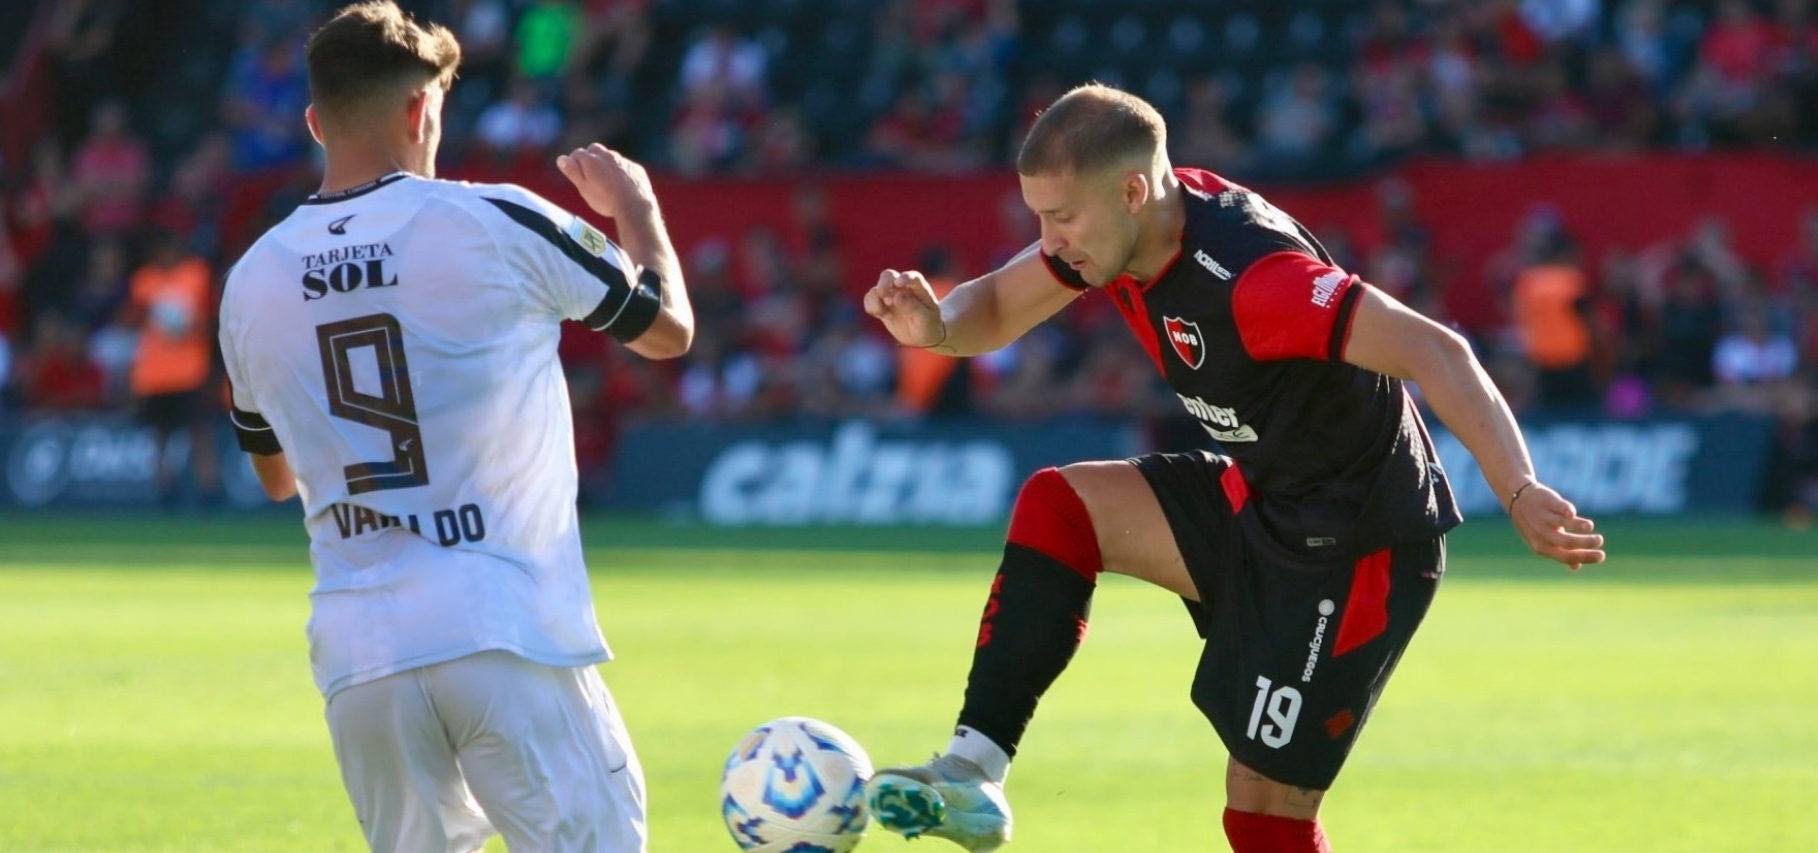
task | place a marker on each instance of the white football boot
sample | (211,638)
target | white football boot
(948,797)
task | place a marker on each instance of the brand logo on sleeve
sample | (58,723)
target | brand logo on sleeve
(1326,286)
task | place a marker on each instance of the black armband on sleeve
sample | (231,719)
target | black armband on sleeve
(254,434)
(628,314)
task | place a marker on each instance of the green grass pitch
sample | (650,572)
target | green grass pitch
(154,690)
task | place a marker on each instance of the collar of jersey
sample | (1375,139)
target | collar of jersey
(355,192)
(1129,280)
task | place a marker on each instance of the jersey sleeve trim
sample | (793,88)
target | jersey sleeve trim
(1062,273)
(619,291)
(1341,325)
(253,433)
(1290,304)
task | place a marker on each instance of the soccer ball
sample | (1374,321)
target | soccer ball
(796,785)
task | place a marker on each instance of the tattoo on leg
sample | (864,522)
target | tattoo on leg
(1245,774)
(1306,797)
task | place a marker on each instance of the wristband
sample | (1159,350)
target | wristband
(1517,496)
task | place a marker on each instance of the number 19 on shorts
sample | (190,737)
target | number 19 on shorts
(1282,705)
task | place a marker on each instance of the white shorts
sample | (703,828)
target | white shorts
(439,758)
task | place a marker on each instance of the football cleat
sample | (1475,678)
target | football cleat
(948,797)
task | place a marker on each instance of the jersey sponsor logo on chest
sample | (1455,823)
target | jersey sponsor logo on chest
(1220,422)
(1187,340)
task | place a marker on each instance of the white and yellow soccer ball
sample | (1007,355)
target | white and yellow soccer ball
(796,785)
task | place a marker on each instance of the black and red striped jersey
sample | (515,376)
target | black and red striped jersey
(1248,325)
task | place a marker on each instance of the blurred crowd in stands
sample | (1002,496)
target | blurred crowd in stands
(116,240)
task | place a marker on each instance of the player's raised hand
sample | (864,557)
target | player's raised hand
(907,305)
(611,183)
(1552,527)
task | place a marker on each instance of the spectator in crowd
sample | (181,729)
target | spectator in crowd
(1296,122)
(172,301)
(12,281)
(266,91)
(521,126)
(57,376)
(80,39)
(484,28)
(1551,311)
(195,202)
(721,381)
(92,301)
(728,66)
(1621,115)
(616,37)
(1690,320)
(1205,135)
(1328,91)
(709,132)
(925,130)
(111,173)
(549,39)
(1753,362)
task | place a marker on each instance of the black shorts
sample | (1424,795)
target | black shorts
(171,412)
(1295,657)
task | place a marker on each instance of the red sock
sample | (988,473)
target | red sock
(1260,833)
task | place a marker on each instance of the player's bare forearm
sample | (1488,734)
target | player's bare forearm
(645,240)
(1392,339)
(1465,399)
(989,312)
(275,475)
(970,321)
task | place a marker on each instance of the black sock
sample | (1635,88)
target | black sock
(1033,623)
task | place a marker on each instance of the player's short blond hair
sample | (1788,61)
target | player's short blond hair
(1089,129)
(373,49)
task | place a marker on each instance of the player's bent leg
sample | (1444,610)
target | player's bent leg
(545,752)
(1291,674)
(399,770)
(1133,535)
(1033,622)
(1068,526)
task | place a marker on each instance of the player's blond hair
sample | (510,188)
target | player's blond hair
(373,50)
(1089,129)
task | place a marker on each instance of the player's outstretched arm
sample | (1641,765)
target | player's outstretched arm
(617,186)
(980,316)
(1389,338)
(275,475)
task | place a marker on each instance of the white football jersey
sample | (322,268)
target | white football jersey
(399,340)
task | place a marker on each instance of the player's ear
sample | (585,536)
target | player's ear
(315,126)
(417,114)
(1135,191)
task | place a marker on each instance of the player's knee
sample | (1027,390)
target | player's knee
(1050,517)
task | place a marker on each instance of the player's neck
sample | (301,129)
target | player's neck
(1158,237)
(354,166)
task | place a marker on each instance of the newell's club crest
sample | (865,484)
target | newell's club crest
(1188,343)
